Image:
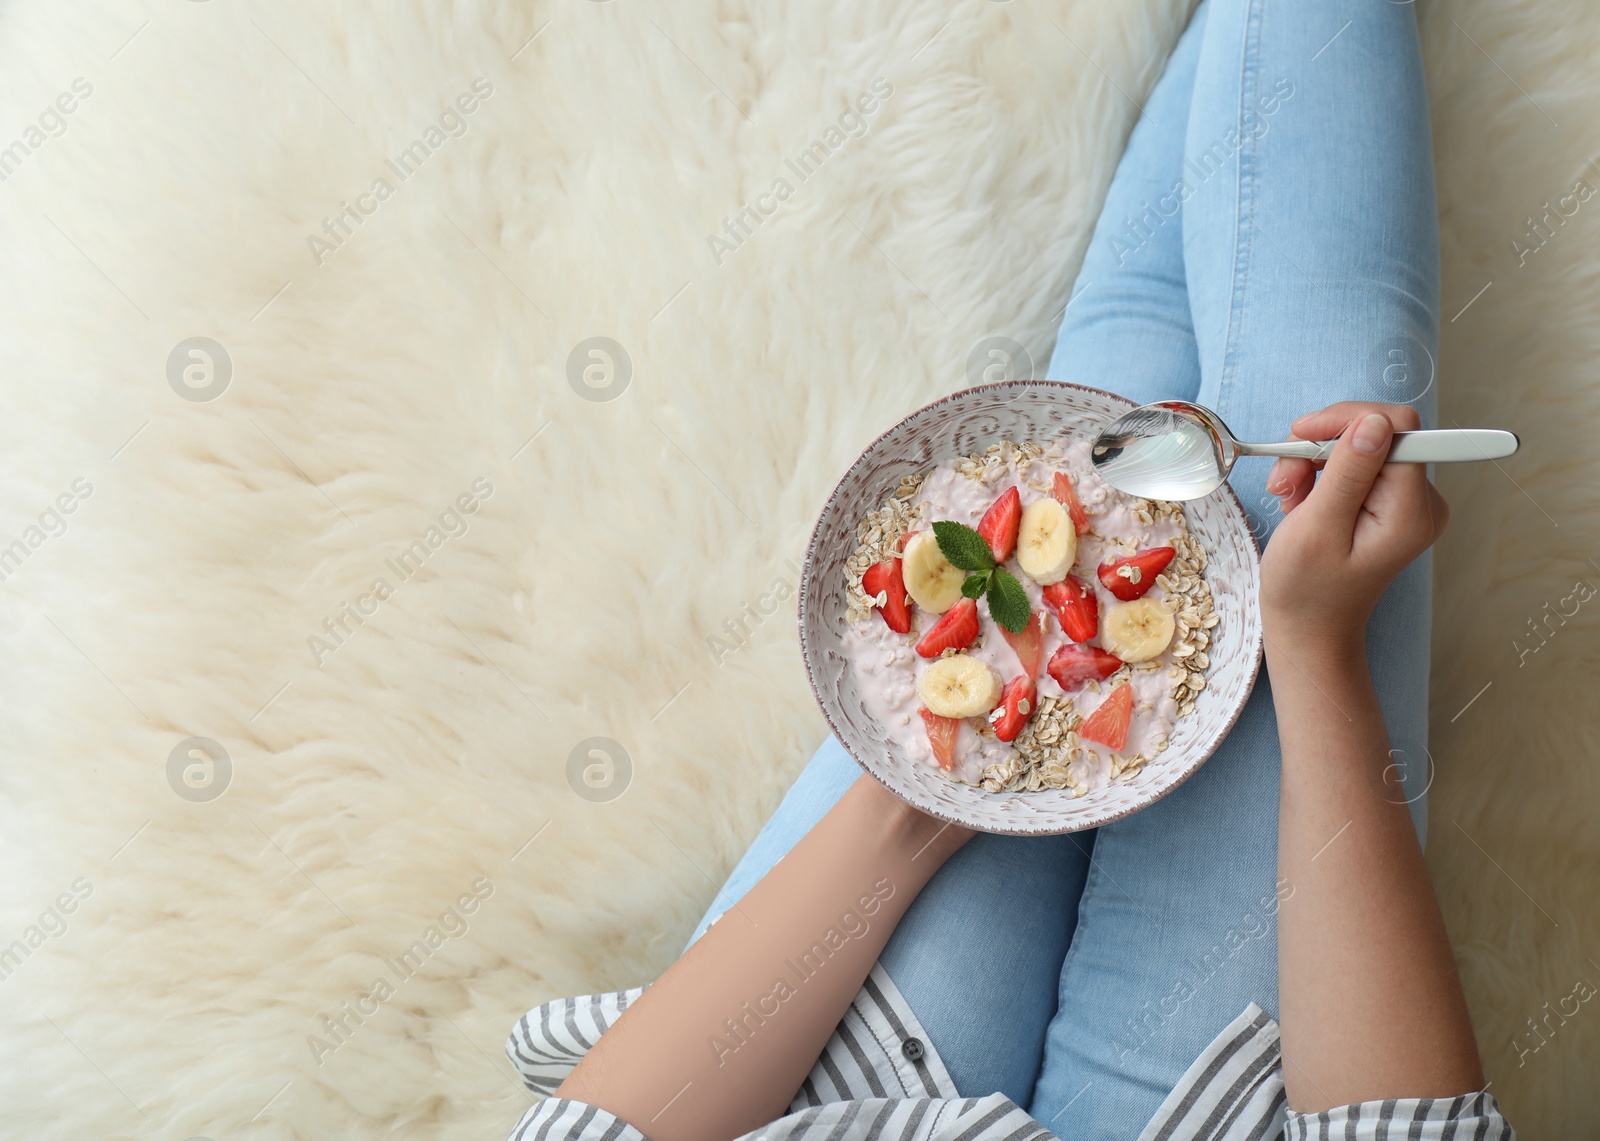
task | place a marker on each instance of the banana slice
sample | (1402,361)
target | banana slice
(931,581)
(1137,631)
(1047,542)
(959,686)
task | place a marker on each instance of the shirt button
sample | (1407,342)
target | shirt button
(912,1048)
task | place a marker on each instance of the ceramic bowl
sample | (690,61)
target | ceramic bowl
(960,424)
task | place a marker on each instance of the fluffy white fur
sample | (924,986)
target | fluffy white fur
(370,391)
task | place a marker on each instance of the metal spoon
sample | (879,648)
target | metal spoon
(1179,450)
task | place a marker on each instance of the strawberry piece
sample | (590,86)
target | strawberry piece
(886,579)
(1071,666)
(1017,702)
(999,525)
(1067,496)
(906,538)
(1108,724)
(1075,605)
(1028,645)
(1133,576)
(942,736)
(956,629)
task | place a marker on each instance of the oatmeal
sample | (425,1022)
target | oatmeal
(1022,625)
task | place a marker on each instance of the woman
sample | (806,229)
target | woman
(1259,950)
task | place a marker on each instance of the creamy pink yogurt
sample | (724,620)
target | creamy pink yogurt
(887,668)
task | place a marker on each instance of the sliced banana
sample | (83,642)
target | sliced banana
(959,686)
(1047,542)
(1137,631)
(931,581)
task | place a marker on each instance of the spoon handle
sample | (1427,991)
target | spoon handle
(1450,445)
(1437,445)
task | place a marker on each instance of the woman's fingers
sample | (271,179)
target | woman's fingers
(1329,423)
(1399,499)
(1399,518)
(1285,474)
(1332,422)
(1298,496)
(1291,481)
(1350,472)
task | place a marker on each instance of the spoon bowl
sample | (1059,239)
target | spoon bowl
(1170,450)
(1176,449)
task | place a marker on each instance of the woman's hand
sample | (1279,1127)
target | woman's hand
(1347,534)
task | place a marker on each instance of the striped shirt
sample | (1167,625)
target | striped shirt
(880,1079)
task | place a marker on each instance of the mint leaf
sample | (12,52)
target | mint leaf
(975,585)
(1008,602)
(963,546)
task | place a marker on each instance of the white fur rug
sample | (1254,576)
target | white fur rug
(401,230)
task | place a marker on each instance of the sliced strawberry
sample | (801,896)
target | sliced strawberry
(1133,576)
(906,538)
(999,525)
(886,581)
(1108,724)
(1028,645)
(1017,702)
(942,736)
(956,629)
(1075,605)
(1071,666)
(1067,496)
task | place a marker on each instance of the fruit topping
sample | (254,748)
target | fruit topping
(1071,666)
(1067,495)
(1028,645)
(930,580)
(956,630)
(1075,605)
(1137,631)
(959,686)
(1108,724)
(885,585)
(1047,543)
(1133,576)
(942,736)
(1017,702)
(999,525)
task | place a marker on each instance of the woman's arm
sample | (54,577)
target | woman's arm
(720,1043)
(1370,1004)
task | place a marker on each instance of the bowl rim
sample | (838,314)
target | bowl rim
(805,603)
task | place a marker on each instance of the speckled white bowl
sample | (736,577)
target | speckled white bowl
(966,422)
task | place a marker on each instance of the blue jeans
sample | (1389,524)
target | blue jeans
(1268,246)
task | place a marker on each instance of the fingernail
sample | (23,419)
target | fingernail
(1371,433)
